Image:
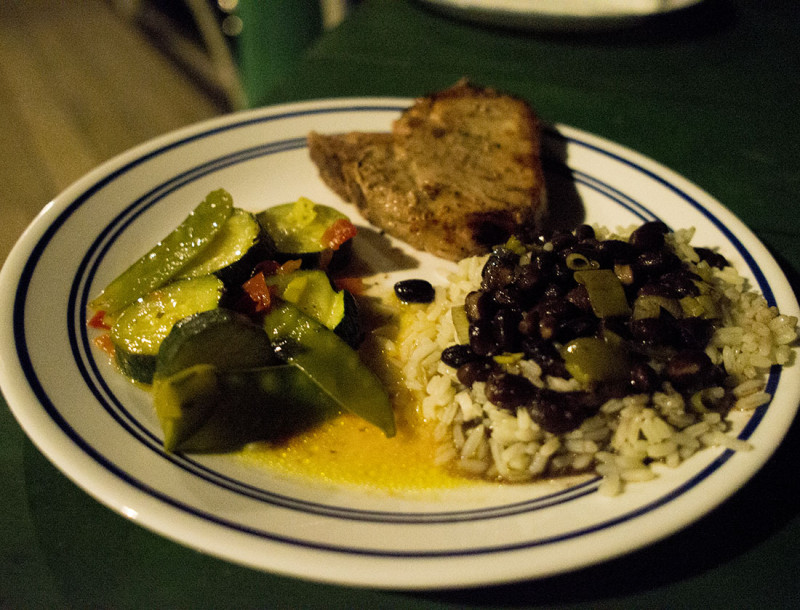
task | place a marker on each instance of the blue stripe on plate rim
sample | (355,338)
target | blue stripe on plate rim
(81,348)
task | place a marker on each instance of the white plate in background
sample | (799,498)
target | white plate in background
(558,14)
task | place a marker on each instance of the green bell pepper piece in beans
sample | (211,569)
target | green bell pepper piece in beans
(590,359)
(205,409)
(606,294)
(168,257)
(332,364)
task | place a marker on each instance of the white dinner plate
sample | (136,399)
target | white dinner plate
(558,14)
(101,431)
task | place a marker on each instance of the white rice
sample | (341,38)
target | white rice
(623,441)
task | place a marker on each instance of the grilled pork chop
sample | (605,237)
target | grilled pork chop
(459,172)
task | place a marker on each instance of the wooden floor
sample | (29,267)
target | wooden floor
(78,84)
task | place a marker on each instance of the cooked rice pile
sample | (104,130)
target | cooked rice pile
(628,436)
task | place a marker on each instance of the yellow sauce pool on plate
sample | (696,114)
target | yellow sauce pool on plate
(349,450)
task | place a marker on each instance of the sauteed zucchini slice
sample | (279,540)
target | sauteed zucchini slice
(205,409)
(318,235)
(223,338)
(139,330)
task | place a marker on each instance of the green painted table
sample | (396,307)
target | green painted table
(711,93)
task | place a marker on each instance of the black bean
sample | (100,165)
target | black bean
(554,291)
(584,232)
(548,325)
(572,328)
(682,282)
(654,263)
(672,285)
(655,289)
(481,338)
(472,372)
(590,248)
(544,260)
(560,412)
(617,326)
(557,307)
(458,355)
(507,296)
(579,297)
(654,331)
(562,275)
(694,333)
(505,329)
(715,259)
(509,391)
(479,305)
(689,370)
(529,280)
(552,314)
(679,333)
(649,236)
(529,323)
(643,378)
(616,251)
(563,240)
(499,269)
(545,354)
(414,291)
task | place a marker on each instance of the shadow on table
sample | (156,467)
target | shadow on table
(792,274)
(699,21)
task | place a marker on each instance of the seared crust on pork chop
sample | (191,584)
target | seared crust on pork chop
(459,172)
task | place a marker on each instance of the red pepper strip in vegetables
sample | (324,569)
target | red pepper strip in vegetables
(353,285)
(330,363)
(290,266)
(256,288)
(104,343)
(270,267)
(338,233)
(98,321)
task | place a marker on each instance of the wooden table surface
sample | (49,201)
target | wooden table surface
(78,85)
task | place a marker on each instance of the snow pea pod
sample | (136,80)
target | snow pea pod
(169,256)
(332,364)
